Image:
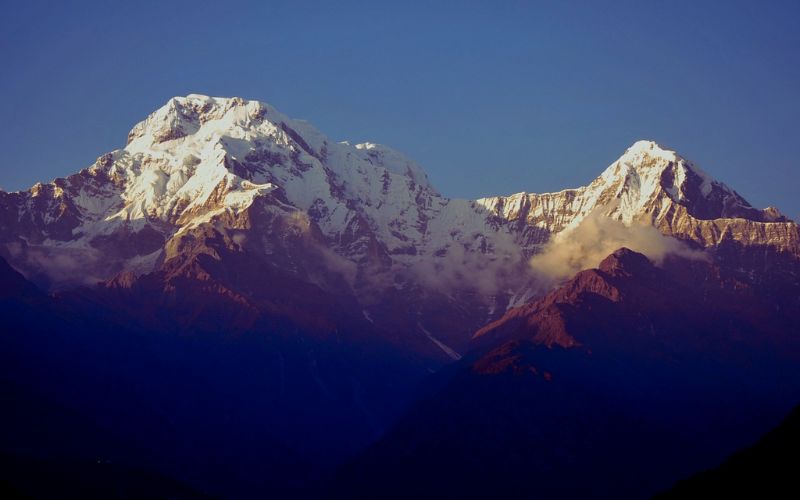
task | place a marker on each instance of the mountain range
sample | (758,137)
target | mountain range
(240,303)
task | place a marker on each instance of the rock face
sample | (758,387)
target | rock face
(206,178)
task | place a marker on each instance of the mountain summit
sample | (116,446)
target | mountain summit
(242,304)
(207,176)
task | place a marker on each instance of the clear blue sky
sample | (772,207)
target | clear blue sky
(490,97)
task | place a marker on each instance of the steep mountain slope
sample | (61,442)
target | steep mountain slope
(240,411)
(359,221)
(765,469)
(615,385)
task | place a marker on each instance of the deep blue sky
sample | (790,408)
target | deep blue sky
(490,97)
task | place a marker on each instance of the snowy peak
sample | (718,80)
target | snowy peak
(649,177)
(183,116)
(197,118)
(650,159)
(200,165)
(652,149)
(647,166)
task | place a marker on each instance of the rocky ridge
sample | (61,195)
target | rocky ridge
(212,177)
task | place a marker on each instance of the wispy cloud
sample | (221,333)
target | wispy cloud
(596,237)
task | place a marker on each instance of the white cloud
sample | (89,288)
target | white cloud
(596,237)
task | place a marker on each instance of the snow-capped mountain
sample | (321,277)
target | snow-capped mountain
(199,160)
(363,219)
(647,183)
(242,303)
